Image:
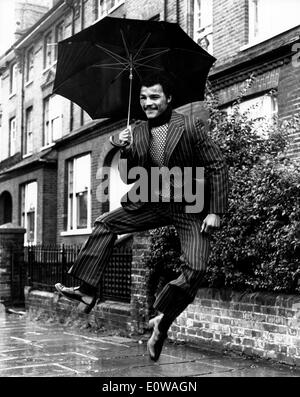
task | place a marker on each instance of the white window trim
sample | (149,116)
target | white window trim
(13,92)
(121,2)
(26,243)
(201,32)
(254,42)
(77,232)
(12,143)
(74,212)
(60,116)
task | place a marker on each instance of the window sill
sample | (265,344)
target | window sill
(110,11)
(28,83)
(47,146)
(78,232)
(26,155)
(49,67)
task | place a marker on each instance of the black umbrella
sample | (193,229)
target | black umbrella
(100,68)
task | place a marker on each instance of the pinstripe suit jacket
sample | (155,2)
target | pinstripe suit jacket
(187,145)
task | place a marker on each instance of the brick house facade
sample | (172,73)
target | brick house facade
(45,140)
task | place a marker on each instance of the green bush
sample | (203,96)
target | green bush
(257,246)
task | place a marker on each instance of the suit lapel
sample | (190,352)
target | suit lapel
(175,130)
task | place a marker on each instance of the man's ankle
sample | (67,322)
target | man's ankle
(164,324)
(88,289)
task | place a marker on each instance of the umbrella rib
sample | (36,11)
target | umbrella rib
(110,65)
(125,44)
(114,55)
(119,74)
(147,66)
(149,57)
(142,46)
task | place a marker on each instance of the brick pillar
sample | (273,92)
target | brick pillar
(139,275)
(11,252)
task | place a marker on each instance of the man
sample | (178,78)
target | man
(166,139)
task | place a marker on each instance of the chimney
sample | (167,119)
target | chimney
(27,13)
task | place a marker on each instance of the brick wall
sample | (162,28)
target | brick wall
(229,27)
(257,324)
(131,317)
(289,100)
(98,146)
(46,203)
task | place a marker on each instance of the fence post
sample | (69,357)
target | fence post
(63,265)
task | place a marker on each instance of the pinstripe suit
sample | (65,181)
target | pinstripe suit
(187,145)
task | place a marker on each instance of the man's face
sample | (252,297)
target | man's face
(153,100)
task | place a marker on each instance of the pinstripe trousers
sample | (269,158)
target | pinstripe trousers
(177,294)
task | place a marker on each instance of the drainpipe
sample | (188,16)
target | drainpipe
(82,27)
(177,12)
(166,10)
(21,65)
(70,4)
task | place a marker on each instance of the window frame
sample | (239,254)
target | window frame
(12,136)
(13,79)
(25,212)
(203,31)
(107,10)
(48,131)
(254,15)
(27,149)
(72,194)
(59,25)
(29,65)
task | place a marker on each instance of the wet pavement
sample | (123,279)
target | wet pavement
(31,348)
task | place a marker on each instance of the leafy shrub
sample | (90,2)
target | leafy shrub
(257,247)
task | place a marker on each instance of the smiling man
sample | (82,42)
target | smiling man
(166,139)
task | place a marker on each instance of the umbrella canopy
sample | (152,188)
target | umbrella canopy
(100,68)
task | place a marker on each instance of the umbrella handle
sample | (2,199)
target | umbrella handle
(120,145)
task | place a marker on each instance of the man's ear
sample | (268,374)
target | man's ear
(169,99)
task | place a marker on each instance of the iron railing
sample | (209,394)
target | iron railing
(49,264)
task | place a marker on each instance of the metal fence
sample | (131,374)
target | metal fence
(49,264)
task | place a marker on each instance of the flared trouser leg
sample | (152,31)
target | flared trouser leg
(97,250)
(177,295)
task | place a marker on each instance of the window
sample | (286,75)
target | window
(28,208)
(48,50)
(203,24)
(28,131)
(59,35)
(52,119)
(268,18)
(261,109)
(107,6)
(79,193)
(29,65)
(13,79)
(12,137)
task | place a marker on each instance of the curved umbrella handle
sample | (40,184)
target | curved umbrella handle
(119,145)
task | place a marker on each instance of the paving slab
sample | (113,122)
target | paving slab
(36,349)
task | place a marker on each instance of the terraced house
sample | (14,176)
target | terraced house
(51,150)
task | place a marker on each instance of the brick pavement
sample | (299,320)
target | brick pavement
(42,349)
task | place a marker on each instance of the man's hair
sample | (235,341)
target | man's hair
(159,78)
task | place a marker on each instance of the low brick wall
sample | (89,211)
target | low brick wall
(257,324)
(49,306)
